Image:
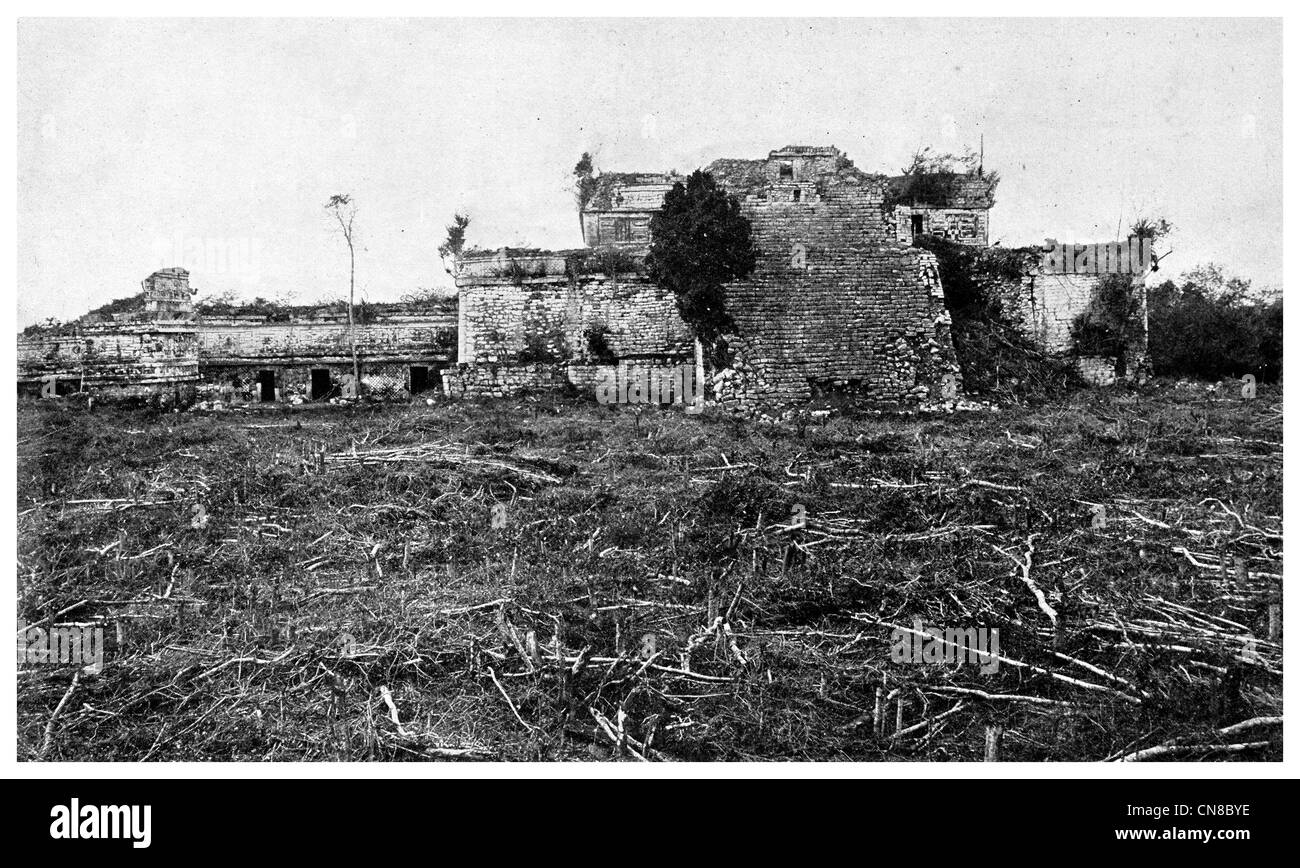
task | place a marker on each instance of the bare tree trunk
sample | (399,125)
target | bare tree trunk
(352,329)
(699,375)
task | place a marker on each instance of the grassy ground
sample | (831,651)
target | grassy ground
(541,580)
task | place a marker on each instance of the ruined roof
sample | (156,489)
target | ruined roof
(617,191)
(742,177)
(328,311)
(520,265)
(805,151)
(644,191)
(738,174)
(944,189)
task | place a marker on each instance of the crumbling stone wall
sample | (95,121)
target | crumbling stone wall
(871,324)
(834,304)
(151,351)
(621,205)
(1053,301)
(1050,302)
(522,314)
(112,359)
(234,349)
(293,383)
(232,340)
(167,294)
(490,380)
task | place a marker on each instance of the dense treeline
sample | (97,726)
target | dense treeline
(1209,326)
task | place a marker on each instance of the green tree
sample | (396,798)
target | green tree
(699,242)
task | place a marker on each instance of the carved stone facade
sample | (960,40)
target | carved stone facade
(130,359)
(163,348)
(620,208)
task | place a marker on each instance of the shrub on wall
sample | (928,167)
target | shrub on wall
(537,350)
(611,261)
(598,348)
(943,180)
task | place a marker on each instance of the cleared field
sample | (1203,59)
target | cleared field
(541,579)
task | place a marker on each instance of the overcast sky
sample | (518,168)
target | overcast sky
(214,144)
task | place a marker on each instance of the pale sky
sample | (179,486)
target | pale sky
(214,144)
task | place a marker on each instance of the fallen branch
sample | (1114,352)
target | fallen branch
(54,718)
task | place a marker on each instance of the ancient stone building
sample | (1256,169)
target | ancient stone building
(530,319)
(306,353)
(836,304)
(167,294)
(842,301)
(128,359)
(160,346)
(1050,300)
(151,349)
(621,206)
(952,206)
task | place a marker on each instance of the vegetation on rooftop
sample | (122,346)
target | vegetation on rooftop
(940,179)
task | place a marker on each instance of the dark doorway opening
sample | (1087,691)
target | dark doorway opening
(320,383)
(918,225)
(419,379)
(266,385)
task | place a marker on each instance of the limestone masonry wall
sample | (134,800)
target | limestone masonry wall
(834,304)
(228,357)
(233,340)
(121,359)
(1049,303)
(511,324)
(964,225)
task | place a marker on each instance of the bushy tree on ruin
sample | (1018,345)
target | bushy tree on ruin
(699,242)
(455,241)
(584,180)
